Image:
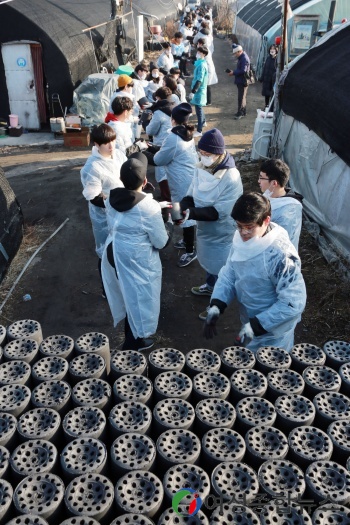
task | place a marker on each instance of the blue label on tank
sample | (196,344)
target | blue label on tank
(21,62)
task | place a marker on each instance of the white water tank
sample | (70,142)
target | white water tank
(262,135)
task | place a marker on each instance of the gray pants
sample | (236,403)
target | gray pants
(242,98)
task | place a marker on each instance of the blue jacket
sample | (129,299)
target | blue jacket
(161,122)
(200,74)
(179,157)
(243,65)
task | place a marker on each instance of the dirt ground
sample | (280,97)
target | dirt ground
(63,280)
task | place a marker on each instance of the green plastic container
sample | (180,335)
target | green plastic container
(124,70)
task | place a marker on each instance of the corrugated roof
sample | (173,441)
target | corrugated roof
(263,14)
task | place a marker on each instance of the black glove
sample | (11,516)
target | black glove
(149,188)
(153,149)
(210,322)
(149,156)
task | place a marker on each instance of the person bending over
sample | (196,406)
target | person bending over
(263,272)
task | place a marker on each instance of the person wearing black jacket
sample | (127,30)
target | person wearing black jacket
(268,76)
(131,267)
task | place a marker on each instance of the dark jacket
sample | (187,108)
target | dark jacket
(166,106)
(268,76)
(243,65)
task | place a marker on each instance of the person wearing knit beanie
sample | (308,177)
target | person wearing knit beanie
(212,142)
(209,201)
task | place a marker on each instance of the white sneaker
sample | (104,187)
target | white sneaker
(205,125)
(197,134)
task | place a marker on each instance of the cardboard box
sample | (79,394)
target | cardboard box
(73,119)
(76,139)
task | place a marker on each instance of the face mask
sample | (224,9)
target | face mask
(268,193)
(199,56)
(155,75)
(167,52)
(207,161)
(143,76)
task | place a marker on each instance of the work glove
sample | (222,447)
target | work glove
(246,334)
(190,96)
(210,322)
(165,204)
(142,145)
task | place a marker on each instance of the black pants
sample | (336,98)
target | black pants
(183,66)
(267,102)
(242,98)
(100,272)
(208,95)
(131,342)
(188,236)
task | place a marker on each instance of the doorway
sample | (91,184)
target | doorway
(25,82)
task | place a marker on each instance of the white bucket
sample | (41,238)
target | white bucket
(13,121)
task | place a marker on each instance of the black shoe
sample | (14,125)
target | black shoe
(238,116)
(209,104)
(144,344)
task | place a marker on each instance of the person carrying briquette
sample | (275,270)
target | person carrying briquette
(178,157)
(198,95)
(243,66)
(131,266)
(286,204)
(263,272)
(215,187)
(159,128)
(101,174)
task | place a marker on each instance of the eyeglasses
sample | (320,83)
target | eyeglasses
(262,178)
(249,229)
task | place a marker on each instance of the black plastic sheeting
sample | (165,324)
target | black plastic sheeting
(11,223)
(263,14)
(316,92)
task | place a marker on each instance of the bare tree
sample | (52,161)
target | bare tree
(224,16)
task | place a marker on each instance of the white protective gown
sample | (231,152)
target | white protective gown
(264,274)
(288,213)
(100,175)
(214,238)
(137,235)
(124,132)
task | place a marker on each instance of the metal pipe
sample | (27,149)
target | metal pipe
(331,15)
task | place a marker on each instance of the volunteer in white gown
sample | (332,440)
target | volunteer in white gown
(263,272)
(209,200)
(132,275)
(286,204)
(101,174)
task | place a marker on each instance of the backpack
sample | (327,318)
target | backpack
(249,76)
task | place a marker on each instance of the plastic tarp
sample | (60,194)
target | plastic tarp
(321,176)
(91,99)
